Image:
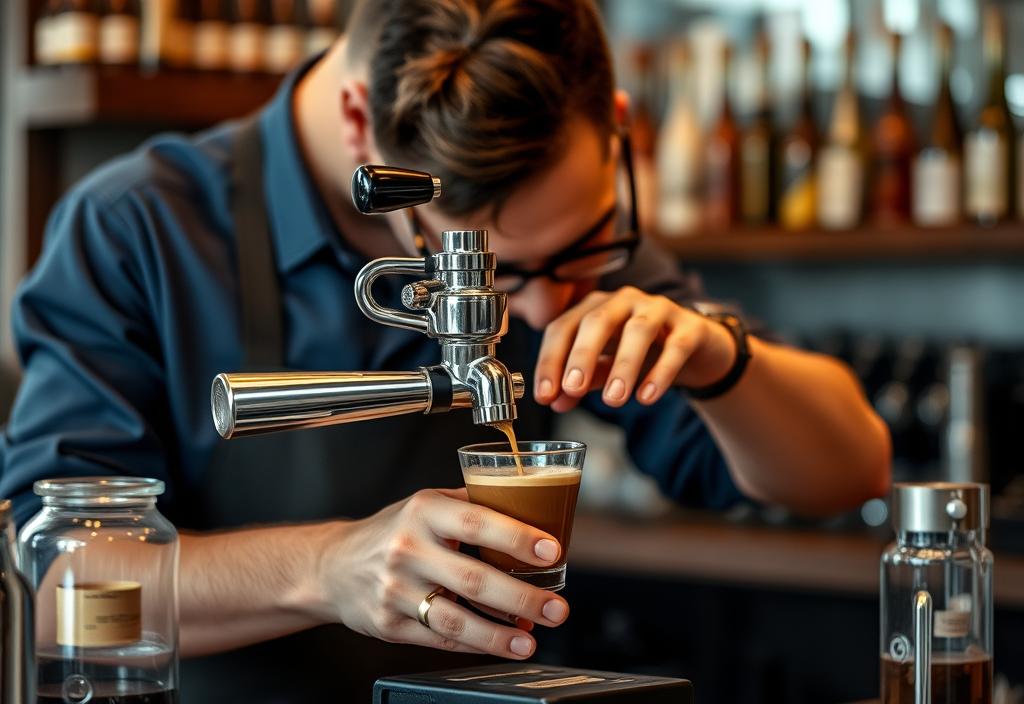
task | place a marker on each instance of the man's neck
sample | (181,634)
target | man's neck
(316,113)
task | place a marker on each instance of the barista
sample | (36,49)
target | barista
(238,248)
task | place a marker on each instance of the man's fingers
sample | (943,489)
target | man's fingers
(678,348)
(490,587)
(639,335)
(477,525)
(555,347)
(457,625)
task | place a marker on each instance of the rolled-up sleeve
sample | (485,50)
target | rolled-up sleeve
(92,399)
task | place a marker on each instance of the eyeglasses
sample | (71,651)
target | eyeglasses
(580,260)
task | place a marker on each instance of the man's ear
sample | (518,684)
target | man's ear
(356,125)
(621,108)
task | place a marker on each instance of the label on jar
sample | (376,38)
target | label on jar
(99,614)
(952,624)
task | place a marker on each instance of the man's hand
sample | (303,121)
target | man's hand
(374,573)
(625,341)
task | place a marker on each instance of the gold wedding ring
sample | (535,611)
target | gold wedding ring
(424,608)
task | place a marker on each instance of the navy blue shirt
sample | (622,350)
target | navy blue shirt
(133,308)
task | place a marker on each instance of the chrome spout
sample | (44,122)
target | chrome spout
(494,389)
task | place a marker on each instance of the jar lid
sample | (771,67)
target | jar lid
(98,489)
(939,507)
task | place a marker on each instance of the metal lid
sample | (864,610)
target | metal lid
(939,507)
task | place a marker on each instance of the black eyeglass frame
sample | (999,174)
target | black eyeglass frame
(576,250)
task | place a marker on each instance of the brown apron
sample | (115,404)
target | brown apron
(342,471)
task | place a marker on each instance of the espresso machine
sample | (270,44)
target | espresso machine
(455,303)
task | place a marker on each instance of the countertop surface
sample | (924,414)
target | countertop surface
(707,548)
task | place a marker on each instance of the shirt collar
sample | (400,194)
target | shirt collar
(299,220)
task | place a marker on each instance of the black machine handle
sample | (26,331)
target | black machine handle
(381,189)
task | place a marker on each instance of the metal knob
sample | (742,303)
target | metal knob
(381,189)
(417,296)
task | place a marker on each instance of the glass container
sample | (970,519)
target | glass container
(936,597)
(104,565)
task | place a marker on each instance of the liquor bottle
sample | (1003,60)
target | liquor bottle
(167,34)
(211,36)
(44,33)
(936,196)
(248,32)
(892,150)
(644,136)
(678,152)
(720,163)
(283,48)
(119,32)
(74,32)
(323,25)
(182,35)
(796,195)
(986,146)
(756,141)
(841,160)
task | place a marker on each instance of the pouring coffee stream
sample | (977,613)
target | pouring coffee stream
(456,304)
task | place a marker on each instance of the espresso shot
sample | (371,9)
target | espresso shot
(537,485)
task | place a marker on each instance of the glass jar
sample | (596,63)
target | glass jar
(936,597)
(104,565)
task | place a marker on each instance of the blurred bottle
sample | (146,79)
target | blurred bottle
(965,456)
(211,35)
(167,33)
(644,136)
(987,145)
(720,162)
(936,198)
(756,138)
(45,38)
(323,25)
(247,35)
(284,47)
(892,150)
(841,159)
(678,151)
(119,32)
(181,54)
(797,201)
(17,630)
(74,32)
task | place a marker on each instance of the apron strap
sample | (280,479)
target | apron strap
(259,287)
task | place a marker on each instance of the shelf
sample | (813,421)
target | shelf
(866,244)
(68,96)
(711,549)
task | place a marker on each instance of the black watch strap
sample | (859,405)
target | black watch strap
(735,326)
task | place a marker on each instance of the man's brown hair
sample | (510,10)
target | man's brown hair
(479,92)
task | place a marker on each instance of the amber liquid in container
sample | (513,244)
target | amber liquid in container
(956,677)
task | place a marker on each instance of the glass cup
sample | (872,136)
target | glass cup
(537,485)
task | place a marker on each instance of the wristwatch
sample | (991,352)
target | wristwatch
(738,330)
